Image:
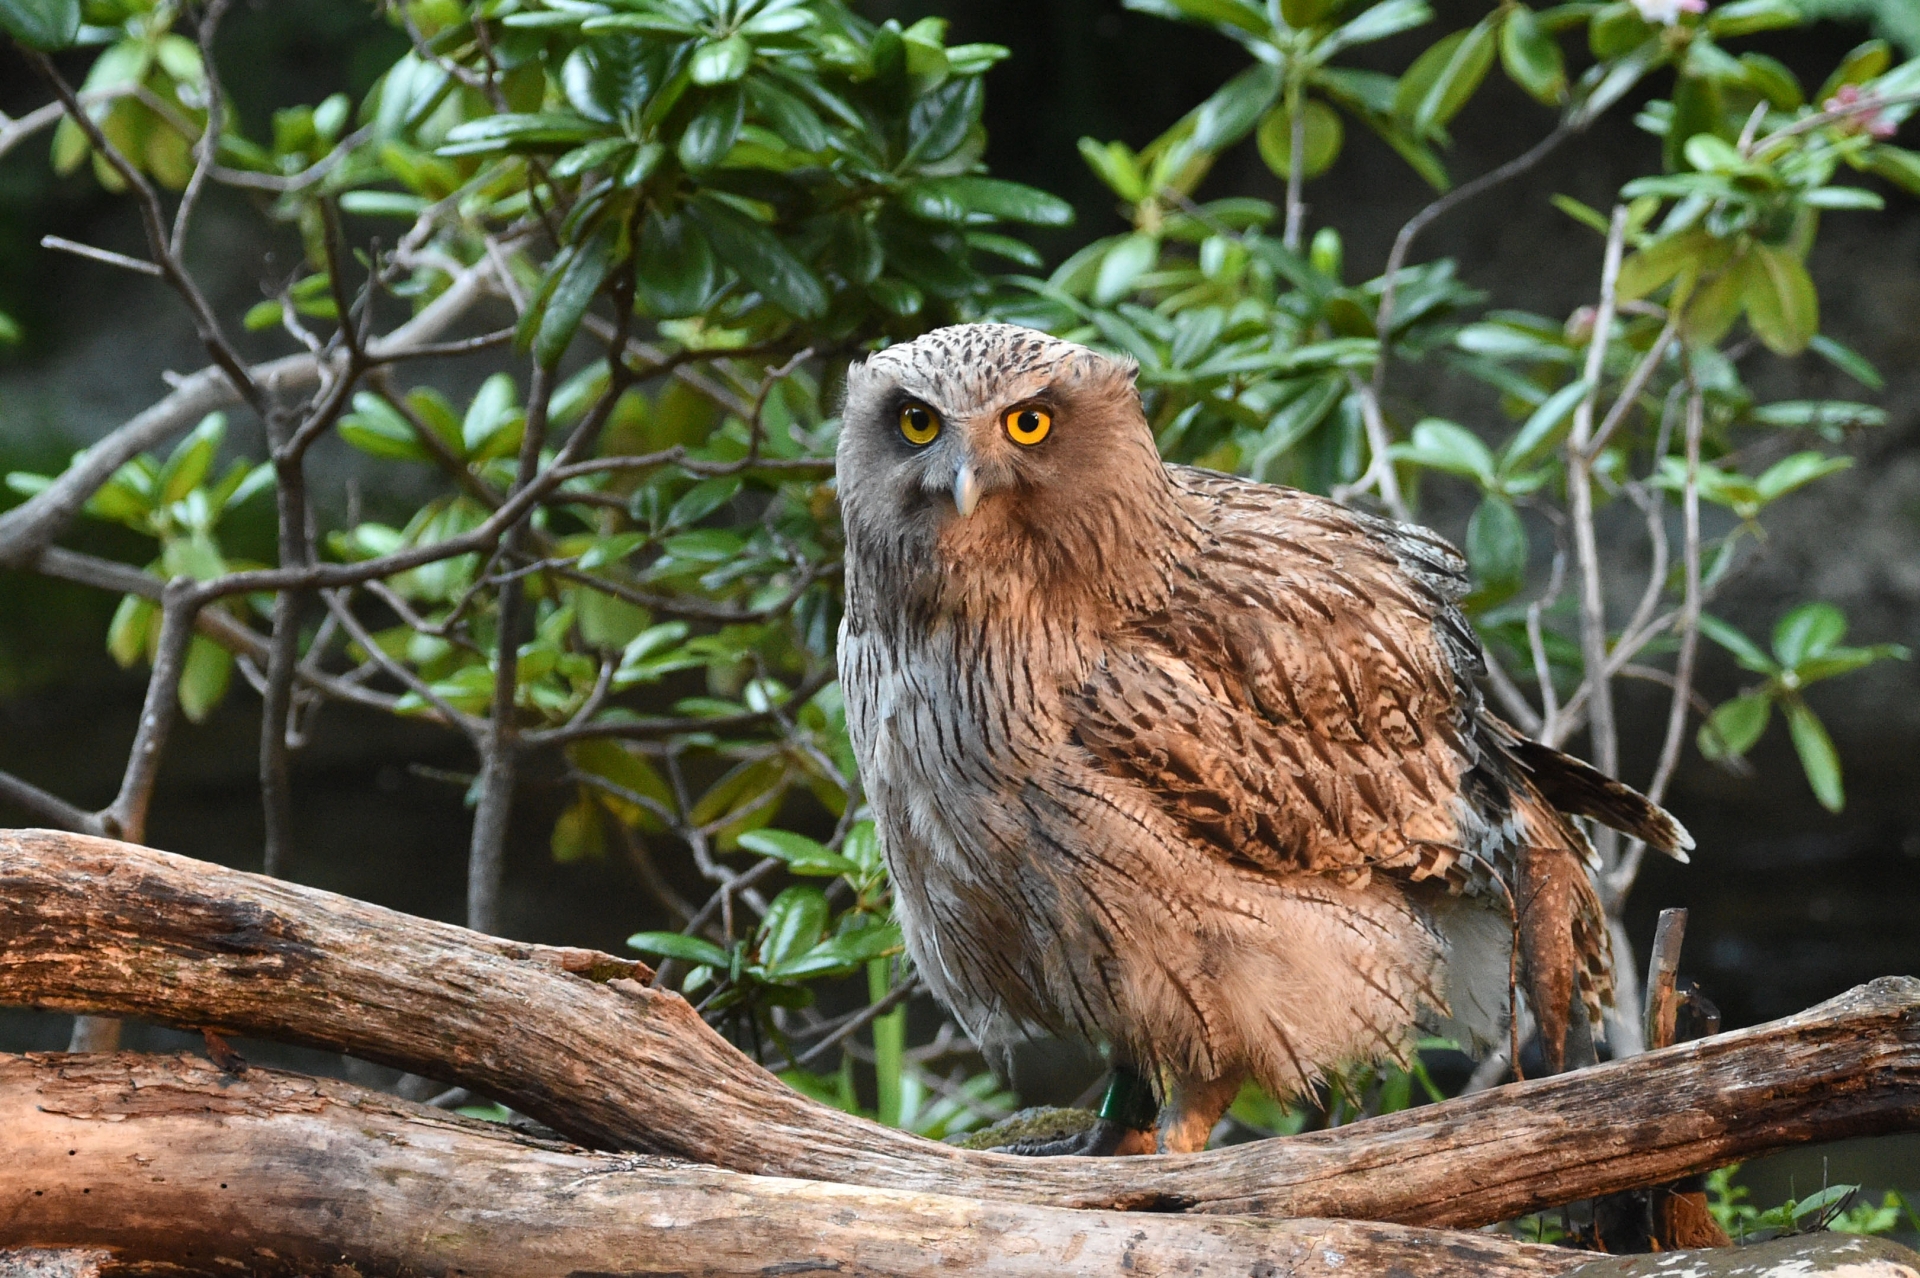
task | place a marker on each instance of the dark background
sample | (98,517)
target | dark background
(1789,904)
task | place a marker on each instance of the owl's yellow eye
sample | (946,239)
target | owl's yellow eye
(918,425)
(1028,425)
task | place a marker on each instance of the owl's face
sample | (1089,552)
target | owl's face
(989,443)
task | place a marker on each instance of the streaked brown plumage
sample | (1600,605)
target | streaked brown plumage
(1186,766)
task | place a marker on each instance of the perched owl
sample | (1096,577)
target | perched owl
(1188,767)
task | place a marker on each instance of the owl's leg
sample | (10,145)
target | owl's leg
(1192,1107)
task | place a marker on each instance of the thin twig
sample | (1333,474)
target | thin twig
(126,817)
(140,266)
(207,148)
(1593,618)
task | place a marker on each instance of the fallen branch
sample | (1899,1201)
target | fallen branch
(579,1042)
(167,1160)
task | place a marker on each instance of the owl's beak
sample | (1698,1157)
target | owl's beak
(966,489)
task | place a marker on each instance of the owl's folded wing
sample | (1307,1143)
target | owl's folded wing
(1307,700)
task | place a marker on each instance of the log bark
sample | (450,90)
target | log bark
(165,1160)
(571,1038)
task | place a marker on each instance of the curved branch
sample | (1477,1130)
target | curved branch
(167,1160)
(88,925)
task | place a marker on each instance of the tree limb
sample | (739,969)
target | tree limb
(91,925)
(168,1160)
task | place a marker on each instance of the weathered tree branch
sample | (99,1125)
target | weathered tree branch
(166,1159)
(88,925)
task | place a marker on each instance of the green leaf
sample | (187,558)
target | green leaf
(688,949)
(1848,361)
(1225,118)
(1797,471)
(132,629)
(1810,630)
(1301,14)
(493,424)
(1744,650)
(1734,726)
(579,281)
(1497,546)
(1118,167)
(375,428)
(1745,17)
(1230,13)
(1324,135)
(1376,23)
(1129,259)
(548,130)
(1442,445)
(674,269)
(204,678)
(795,919)
(954,199)
(1444,78)
(1897,165)
(1532,58)
(1543,427)
(713,130)
(1817,755)
(721,61)
(1866,62)
(1819,413)
(577,835)
(191,459)
(847,950)
(762,260)
(802,855)
(46,25)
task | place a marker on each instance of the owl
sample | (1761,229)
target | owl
(1190,768)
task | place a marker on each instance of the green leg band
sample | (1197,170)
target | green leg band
(1129,1102)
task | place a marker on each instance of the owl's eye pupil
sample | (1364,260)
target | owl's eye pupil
(1029,422)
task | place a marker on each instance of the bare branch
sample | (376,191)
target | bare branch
(126,817)
(137,265)
(51,808)
(33,525)
(207,148)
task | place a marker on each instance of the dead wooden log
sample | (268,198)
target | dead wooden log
(165,1160)
(88,925)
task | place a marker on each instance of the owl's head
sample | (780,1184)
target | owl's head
(991,440)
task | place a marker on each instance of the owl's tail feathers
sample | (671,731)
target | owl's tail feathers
(1581,790)
(1562,929)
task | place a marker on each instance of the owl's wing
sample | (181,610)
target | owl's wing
(1306,701)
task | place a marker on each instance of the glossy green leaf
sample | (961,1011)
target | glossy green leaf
(794,922)
(1782,304)
(132,629)
(1497,546)
(1745,17)
(1124,263)
(1818,758)
(1735,726)
(1543,428)
(1744,650)
(713,130)
(1865,62)
(567,305)
(1531,57)
(1810,630)
(204,678)
(1377,22)
(762,260)
(1445,77)
(674,267)
(577,834)
(46,25)
(1797,471)
(192,458)
(688,949)
(1235,106)
(1442,445)
(801,854)
(375,428)
(1848,361)
(721,61)
(1324,135)
(955,199)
